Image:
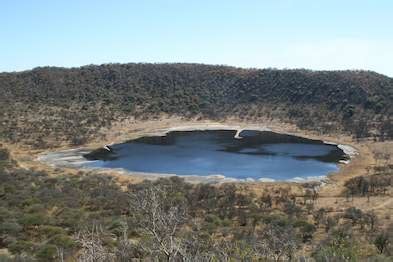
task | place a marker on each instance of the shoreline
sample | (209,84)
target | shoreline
(73,158)
(330,192)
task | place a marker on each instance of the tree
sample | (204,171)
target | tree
(277,242)
(158,215)
(91,244)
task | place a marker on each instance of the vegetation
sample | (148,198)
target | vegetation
(46,105)
(89,217)
(376,183)
(58,216)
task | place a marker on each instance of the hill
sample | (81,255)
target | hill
(52,104)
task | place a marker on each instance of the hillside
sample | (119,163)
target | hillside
(55,213)
(57,104)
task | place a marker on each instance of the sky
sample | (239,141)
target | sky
(312,34)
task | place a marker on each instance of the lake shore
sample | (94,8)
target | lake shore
(129,129)
(330,195)
(74,158)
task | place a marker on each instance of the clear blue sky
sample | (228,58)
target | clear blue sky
(315,34)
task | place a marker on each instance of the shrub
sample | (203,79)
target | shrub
(306,229)
(381,242)
(4,154)
(62,241)
(51,231)
(35,219)
(340,247)
(21,246)
(11,228)
(46,253)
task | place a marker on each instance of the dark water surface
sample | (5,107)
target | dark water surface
(257,154)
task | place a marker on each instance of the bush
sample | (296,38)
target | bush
(381,242)
(62,241)
(10,228)
(51,231)
(276,219)
(71,217)
(340,247)
(21,246)
(46,253)
(4,154)
(306,229)
(28,220)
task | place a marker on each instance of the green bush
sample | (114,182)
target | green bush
(71,217)
(63,241)
(277,219)
(51,231)
(340,247)
(46,253)
(33,220)
(21,246)
(306,229)
(11,228)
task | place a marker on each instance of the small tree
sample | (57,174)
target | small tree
(125,249)
(92,247)
(278,242)
(159,216)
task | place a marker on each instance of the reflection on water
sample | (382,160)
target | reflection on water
(257,154)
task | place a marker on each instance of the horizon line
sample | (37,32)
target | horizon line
(194,63)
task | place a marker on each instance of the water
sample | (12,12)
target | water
(256,155)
